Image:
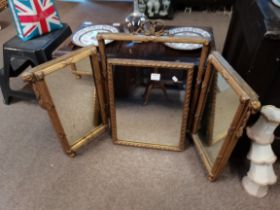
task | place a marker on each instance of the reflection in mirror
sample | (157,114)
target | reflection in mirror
(221,106)
(150,109)
(75,101)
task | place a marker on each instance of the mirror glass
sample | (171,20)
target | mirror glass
(81,68)
(220,108)
(75,101)
(149,104)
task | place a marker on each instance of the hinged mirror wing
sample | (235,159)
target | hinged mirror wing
(75,104)
(224,106)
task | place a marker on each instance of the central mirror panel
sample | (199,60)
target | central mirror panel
(151,109)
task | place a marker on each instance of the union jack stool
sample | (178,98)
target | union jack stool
(19,55)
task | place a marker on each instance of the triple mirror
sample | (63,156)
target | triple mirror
(150,103)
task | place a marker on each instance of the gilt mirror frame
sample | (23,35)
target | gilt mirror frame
(248,105)
(37,76)
(141,64)
(101,37)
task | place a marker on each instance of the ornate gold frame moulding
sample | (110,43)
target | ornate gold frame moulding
(160,39)
(37,77)
(188,67)
(249,104)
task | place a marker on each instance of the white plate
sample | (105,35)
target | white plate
(276,2)
(187,32)
(87,36)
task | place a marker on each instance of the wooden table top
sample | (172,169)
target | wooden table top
(154,51)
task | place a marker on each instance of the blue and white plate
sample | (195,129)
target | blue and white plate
(187,32)
(276,2)
(87,36)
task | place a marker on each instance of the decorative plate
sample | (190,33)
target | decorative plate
(187,32)
(276,2)
(87,36)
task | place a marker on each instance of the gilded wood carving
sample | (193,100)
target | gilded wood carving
(214,133)
(76,107)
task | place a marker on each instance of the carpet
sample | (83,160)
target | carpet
(36,175)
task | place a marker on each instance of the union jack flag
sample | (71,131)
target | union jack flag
(35,17)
